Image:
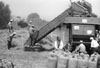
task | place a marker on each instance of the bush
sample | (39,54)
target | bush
(22,24)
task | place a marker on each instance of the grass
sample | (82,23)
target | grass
(20,58)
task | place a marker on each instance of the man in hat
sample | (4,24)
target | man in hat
(94,45)
(10,38)
(31,33)
(10,26)
(81,48)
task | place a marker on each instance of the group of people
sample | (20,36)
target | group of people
(81,48)
(12,33)
(58,43)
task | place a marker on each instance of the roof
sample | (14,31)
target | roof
(82,20)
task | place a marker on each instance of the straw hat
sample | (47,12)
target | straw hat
(81,41)
(11,20)
(91,38)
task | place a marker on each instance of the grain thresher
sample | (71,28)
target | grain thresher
(74,24)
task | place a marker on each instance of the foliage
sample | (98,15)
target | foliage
(4,15)
(32,16)
(36,20)
(22,24)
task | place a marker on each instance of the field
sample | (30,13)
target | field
(17,55)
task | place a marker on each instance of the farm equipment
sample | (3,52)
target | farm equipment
(78,19)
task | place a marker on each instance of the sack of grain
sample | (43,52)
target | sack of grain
(53,54)
(82,63)
(62,62)
(98,62)
(92,62)
(52,62)
(72,63)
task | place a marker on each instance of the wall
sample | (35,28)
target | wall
(62,32)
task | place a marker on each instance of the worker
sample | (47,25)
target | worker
(61,45)
(30,23)
(33,32)
(94,45)
(96,34)
(10,38)
(10,26)
(81,48)
(67,47)
(57,43)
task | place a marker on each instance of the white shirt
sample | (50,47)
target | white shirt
(94,43)
(56,45)
(61,45)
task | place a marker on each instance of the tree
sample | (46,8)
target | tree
(32,16)
(4,15)
(36,20)
(22,24)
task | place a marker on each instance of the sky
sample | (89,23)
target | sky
(47,9)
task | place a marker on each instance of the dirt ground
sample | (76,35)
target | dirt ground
(21,59)
(26,59)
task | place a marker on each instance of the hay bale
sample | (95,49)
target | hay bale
(15,42)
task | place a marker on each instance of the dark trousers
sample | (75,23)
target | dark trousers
(32,40)
(93,49)
(9,44)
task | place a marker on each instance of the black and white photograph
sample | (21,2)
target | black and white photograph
(49,33)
